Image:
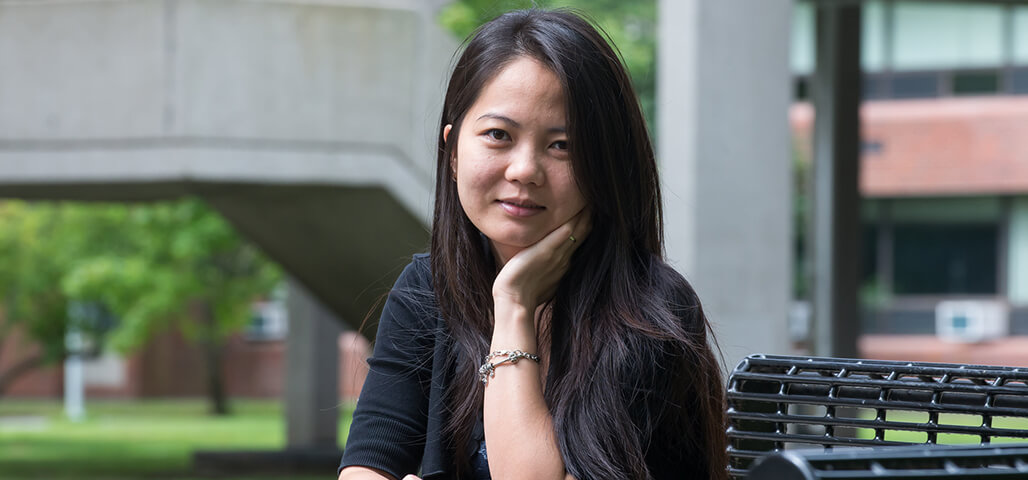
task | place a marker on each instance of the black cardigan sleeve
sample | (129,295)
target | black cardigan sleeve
(389,423)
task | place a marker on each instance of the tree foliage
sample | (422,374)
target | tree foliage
(154,267)
(28,277)
(180,253)
(631,26)
(38,247)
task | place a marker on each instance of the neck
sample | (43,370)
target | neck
(503,253)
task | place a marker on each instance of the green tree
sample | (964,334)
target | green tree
(155,267)
(189,270)
(27,294)
(631,25)
(37,248)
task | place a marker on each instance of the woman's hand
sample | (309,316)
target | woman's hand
(518,427)
(531,276)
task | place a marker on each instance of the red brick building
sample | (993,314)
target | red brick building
(171,367)
(945,210)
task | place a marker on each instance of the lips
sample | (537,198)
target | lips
(520,207)
(524,203)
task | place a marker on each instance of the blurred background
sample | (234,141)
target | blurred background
(203,202)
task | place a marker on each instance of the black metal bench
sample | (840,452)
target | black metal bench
(778,403)
(954,462)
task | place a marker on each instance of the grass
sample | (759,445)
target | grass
(122,440)
(1001,423)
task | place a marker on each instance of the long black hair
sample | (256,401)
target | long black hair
(631,373)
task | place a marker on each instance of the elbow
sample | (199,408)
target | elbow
(530,471)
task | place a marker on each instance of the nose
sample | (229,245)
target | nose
(524,166)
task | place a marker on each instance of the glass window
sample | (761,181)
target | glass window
(952,210)
(931,35)
(1018,80)
(976,83)
(875,86)
(869,259)
(268,321)
(1020,35)
(872,48)
(914,85)
(803,39)
(801,89)
(944,259)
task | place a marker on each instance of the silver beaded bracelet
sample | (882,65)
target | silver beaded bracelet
(488,369)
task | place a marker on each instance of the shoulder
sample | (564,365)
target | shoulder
(414,285)
(411,302)
(417,273)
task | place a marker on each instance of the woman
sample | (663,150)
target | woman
(546,261)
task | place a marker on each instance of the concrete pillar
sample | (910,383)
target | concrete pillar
(312,383)
(723,94)
(1017,253)
(836,218)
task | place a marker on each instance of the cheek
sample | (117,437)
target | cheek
(473,190)
(477,174)
(469,181)
(570,196)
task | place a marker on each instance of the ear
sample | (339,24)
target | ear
(453,156)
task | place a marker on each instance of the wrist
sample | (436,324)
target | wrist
(503,297)
(513,327)
(510,312)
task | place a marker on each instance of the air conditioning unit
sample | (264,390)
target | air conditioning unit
(971,320)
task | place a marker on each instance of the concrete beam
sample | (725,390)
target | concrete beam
(90,74)
(346,246)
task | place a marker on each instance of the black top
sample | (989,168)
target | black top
(397,426)
(399,420)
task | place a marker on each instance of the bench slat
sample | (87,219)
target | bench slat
(768,395)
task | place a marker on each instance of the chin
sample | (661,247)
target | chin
(519,241)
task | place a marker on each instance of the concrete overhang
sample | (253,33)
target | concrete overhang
(308,124)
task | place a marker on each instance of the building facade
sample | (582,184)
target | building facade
(943,174)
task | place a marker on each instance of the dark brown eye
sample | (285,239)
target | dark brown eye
(560,145)
(497,134)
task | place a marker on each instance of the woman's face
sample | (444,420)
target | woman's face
(512,167)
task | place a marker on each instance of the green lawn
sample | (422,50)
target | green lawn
(1002,423)
(123,440)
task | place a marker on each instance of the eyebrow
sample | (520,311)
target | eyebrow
(515,124)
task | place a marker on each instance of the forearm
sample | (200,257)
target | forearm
(518,426)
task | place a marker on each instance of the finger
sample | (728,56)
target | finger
(581,225)
(565,238)
(411,477)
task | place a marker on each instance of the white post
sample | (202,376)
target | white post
(74,386)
